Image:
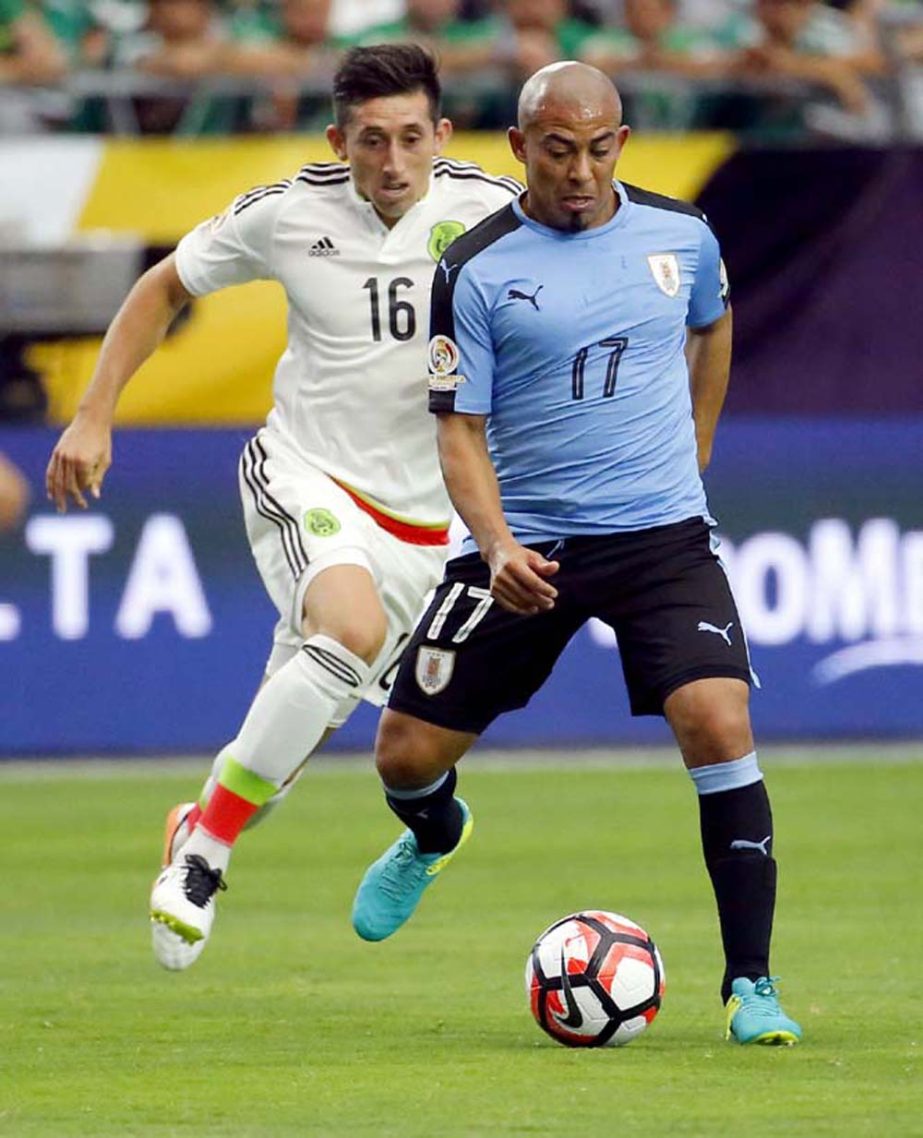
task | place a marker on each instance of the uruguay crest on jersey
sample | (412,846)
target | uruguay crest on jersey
(665,270)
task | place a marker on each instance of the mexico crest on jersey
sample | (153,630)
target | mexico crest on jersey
(665,270)
(434,669)
(441,237)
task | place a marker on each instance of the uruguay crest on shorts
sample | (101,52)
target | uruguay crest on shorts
(434,669)
(665,270)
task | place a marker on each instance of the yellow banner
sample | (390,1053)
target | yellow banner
(217,369)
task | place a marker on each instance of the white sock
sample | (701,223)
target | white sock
(286,721)
(292,710)
(217,854)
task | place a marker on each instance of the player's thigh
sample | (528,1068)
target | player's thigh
(299,523)
(682,623)
(469,660)
(402,576)
(405,576)
(342,602)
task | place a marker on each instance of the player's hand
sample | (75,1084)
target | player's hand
(518,580)
(79,463)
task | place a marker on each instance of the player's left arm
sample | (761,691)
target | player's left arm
(708,356)
(708,341)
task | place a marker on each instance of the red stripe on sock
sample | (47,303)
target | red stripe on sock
(193,817)
(226,814)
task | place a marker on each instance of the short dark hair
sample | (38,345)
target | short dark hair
(381,70)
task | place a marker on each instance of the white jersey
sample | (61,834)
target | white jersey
(350,390)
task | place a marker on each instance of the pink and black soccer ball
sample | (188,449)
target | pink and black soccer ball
(594,979)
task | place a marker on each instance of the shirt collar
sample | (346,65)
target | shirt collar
(617,219)
(365,208)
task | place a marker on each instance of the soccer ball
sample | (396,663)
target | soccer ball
(594,979)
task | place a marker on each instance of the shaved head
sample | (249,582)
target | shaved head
(569,138)
(569,90)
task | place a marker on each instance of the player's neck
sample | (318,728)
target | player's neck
(605,217)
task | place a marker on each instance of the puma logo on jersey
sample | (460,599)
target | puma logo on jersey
(724,633)
(743,844)
(515,294)
(323,248)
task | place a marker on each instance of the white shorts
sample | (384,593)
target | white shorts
(300,522)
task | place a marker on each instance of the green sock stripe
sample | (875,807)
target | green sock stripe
(245,784)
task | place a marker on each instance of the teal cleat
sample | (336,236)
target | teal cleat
(754,1014)
(392,887)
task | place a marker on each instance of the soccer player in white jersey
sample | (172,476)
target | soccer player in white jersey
(344,503)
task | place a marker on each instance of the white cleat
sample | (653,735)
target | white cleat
(183,910)
(171,951)
(176,832)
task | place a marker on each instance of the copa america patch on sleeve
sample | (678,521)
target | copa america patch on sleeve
(443,360)
(434,669)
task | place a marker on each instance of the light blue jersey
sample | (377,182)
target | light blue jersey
(573,344)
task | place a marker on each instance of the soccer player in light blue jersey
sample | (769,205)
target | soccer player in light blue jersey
(581,342)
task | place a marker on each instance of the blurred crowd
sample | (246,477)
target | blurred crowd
(848,68)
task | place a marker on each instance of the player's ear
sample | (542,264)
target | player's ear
(517,143)
(337,140)
(443,133)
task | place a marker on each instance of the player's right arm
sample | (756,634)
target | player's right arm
(229,249)
(462,366)
(517,574)
(84,452)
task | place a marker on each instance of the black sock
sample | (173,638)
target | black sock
(436,819)
(737,842)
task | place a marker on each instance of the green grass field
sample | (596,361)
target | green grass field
(289,1025)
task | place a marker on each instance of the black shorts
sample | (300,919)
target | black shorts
(662,590)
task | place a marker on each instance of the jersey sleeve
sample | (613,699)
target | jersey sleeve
(711,293)
(232,248)
(461,358)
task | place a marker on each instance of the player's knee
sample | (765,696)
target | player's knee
(365,640)
(404,756)
(717,735)
(364,637)
(711,720)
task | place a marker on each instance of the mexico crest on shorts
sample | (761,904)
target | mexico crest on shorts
(321,522)
(441,237)
(434,669)
(665,270)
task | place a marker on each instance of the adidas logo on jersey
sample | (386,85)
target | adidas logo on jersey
(323,248)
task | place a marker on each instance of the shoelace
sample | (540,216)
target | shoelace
(764,999)
(402,870)
(202,882)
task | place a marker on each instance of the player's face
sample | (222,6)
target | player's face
(570,158)
(390,144)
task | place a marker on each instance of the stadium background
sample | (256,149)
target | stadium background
(134,634)
(151,597)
